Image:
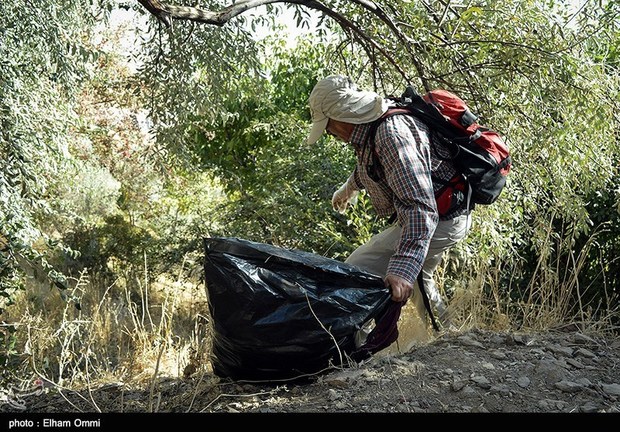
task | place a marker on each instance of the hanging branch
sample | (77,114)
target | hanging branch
(406,42)
(166,13)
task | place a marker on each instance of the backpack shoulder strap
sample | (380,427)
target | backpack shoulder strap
(370,137)
(375,171)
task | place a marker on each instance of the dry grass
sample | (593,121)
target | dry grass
(137,331)
(132,330)
(553,298)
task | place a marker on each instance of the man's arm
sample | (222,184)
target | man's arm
(403,148)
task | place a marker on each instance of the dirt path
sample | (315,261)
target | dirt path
(471,372)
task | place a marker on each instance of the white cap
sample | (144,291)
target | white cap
(337,97)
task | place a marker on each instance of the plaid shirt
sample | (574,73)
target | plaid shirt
(405,187)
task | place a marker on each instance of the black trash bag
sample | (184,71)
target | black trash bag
(281,314)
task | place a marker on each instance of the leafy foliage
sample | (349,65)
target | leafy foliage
(277,188)
(44,57)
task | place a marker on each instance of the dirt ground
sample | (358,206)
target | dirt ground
(457,372)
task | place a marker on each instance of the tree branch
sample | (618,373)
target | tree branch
(166,13)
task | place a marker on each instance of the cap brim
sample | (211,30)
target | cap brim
(317,130)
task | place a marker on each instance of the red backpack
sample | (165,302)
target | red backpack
(480,155)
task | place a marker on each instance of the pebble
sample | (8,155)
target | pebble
(333,394)
(481,381)
(580,338)
(465,340)
(589,407)
(499,355)
(568,386)
(523,381)
(611,389)
(585,353)
(558,349)
(575,363)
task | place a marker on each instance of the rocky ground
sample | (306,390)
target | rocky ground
(464,372)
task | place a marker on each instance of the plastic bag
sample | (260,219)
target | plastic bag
(279,313)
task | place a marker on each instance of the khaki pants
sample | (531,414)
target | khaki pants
(374,257)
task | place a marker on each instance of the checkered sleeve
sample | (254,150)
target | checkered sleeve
(403,148)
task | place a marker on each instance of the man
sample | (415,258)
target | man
(396,174)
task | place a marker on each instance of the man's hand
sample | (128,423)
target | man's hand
(344,196)
(401,288)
